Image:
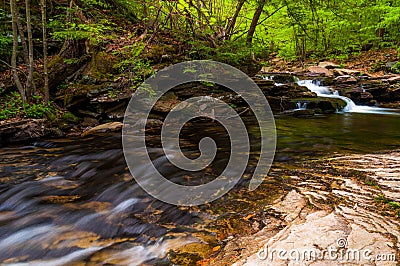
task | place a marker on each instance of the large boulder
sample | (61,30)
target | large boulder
(104,128)
(360,96)
(322,105)
(328,65)
(321,71)
(345,79)
(344,72)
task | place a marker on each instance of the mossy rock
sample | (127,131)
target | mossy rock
(51,116)
(156,53)
(60,69)
(323,104)
(102,65)
(69,118)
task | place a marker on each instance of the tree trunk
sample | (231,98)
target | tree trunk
(22,36)
(13,7)
(254,21)
(46,75)
(232,22)
(29,83)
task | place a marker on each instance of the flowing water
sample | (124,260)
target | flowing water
(323,91)
(73,200)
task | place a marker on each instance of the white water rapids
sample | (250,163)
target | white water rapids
(351,107)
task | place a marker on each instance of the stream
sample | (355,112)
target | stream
(351,107)
(74,200)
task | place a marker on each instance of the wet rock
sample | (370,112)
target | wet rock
(359,96)
(117,110)
(334,211)
(22,131)
(325,105)
(382,91)
(321,70)
(148,124)
(291,205)
(393,80)
(89,113)
(291,91)
(345,79)
(284,78)
(108,127)
(264,83)
(165,104)
(346,72)
(304,113)
(89,122)
(280,104)
(390,105)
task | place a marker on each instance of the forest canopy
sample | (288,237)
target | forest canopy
(290,27)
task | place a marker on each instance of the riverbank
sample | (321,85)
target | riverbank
(88,208)
(92,105)
(331,211)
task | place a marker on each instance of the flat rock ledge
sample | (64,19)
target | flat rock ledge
(331,216)
(24,130)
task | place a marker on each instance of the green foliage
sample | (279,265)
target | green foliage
(83,22)
(132,64)
(12,107)
(229,52)
(146,89)
(325,27)
(71,61)
(5,37)
(396,68)
(95,32)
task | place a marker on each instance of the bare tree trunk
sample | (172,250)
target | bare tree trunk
(29,83)
(46,74)
(13,7)
(232,22)
(254,21)
(22,36)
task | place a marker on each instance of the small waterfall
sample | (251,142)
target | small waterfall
(351,107)
(301,105)
(268,77)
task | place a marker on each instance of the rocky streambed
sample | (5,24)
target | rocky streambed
(340,209)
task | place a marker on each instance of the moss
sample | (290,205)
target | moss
(70,117)
(51,116)
(389,207)
(155,53)
(102,65)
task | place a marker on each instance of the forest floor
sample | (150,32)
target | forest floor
(372,62)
